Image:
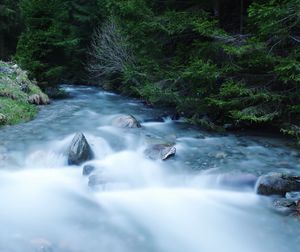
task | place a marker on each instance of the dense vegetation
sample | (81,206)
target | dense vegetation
(233,63)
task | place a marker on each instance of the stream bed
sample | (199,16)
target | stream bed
(189,203)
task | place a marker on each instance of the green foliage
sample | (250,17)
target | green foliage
(185,58)
(54,43)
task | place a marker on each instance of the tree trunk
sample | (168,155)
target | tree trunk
(242,17)
(216,6)
(2,49)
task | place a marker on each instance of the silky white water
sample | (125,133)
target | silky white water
(186,204)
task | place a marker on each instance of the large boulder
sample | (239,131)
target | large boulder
(277,184)
(79,150)
(126,121)
(38,99)
(160,151)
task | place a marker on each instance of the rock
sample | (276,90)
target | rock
(229,126)
(55,93)
(276,184)
(79,150)
(6,70)
(221,155)
(7,160)
(95,180)
(41,245)
(87,170)
(160,151)
(295,196)
(24,88)
(126,121)
(200,137)
(168,140)
(206,123)
(237,180)
(176,116)
(284,205)
(15,66)
(154,119)
(3,119)
(38,99)
(298,207)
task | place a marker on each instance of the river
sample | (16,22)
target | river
(190,203)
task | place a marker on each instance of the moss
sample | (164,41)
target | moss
(16,111)
(34,89)
(12,91)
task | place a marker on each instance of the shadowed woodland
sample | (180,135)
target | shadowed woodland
(222,64)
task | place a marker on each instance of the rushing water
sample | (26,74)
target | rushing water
(190,203)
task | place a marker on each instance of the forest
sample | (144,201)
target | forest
(222,64)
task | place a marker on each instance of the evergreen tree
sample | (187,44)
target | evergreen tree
(57,33)
(10,27)
(47,40)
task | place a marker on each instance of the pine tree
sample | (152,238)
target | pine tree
(10,27)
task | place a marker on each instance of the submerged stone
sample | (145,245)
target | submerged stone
(96,180)
(284,205)
(87,170)
(293,196)
(237,180)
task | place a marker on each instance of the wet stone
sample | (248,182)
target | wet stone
(277,184)
(126,121)
(160,151)
(79,150)
(96,180)
(87,170)
(284,206)
(237,180)
(293,196)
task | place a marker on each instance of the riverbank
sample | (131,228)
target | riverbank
(18,95)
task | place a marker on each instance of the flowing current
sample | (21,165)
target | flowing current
(193,202)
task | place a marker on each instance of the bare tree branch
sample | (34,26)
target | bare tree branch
(109,53)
